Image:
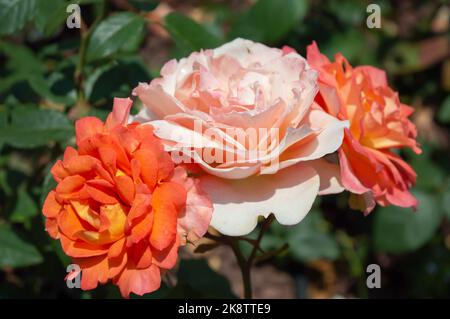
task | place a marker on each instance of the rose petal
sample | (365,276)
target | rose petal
(289,194)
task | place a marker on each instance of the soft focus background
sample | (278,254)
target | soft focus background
(51,75)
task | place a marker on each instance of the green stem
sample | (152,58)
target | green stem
(85,37)
(245,265)
(80,67)
(256,247)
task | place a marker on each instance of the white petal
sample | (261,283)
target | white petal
(289,194)
(233,172)
(160,103)
(327,141)
(330,176)
(183,137)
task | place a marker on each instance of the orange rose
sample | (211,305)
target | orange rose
(378,124)
(121,208)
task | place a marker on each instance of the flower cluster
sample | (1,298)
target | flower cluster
(264,131)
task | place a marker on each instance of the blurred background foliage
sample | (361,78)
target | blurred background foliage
(51,75)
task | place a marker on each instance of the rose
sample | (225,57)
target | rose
(379,124)
(244,113)
(121,208)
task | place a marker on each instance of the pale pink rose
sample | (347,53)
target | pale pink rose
(244,112)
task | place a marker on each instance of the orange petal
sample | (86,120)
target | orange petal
(149,166)
(109,158)
(165,166)
(101,183)
(172,192)
(117,264)
(103,173)
(125,188)
(135,171)
(79,249)
(80,164)
(101,194)
(70,184)
(140,229)
(120,113)
(69,152)
(117,248)
(165,201)
(51,206)
(69,223)
(116,217)
(140,255)
(139,281)
(141,205)
(87,127)
(128,138)
(112,142)
(51,226)
(86,213)
(94,270)
(58,171)
(167,258)
(151,143)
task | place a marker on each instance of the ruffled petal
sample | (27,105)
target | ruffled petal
(289,195)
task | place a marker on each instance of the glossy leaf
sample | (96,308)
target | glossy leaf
(269,20)
(50,15)
(120,32)
(310,239)
(15,252)
(31,127)
(14,14)
(25,208)
(444,111)
(188,34)
(398,230)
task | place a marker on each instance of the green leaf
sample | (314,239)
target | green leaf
(444,111)
(3,121)
(310,239)
(14,252)
(25,208)
(21,59)
(3,116)
(188,34)
(446,201)
(50,15)
(116,78)
(202,280)
(25,66)
(48,184)
(429,175)
(403,58)
(398,230)
(269,20)
(122,32)
(349,43)
(350,12)
(14,14)
(144,5)
(31,127)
